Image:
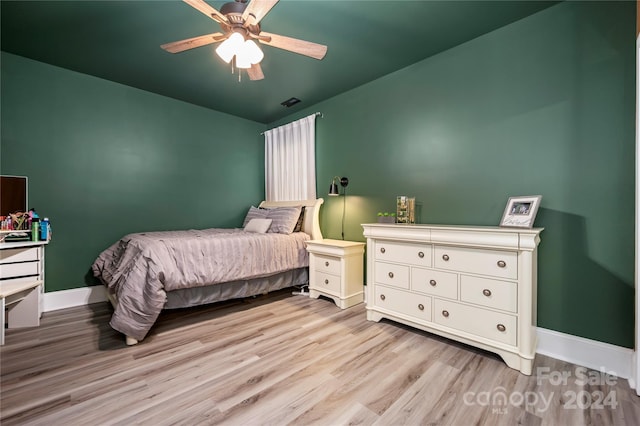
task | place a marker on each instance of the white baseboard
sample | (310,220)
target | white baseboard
(588,353)
(75,297)
(577,350)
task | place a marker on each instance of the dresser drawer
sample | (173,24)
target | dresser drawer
(480,322)
(19,255)
(414,254)
(326,282)
(11,270)
(491,293)
(403,302)
(497,263)
(327,264)
(392,274)
(436,283)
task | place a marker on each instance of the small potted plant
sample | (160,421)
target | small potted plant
(386,217)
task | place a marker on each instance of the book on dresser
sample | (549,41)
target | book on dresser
(473,284)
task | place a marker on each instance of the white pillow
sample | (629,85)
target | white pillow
(258,225)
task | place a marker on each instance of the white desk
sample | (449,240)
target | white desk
(21,284)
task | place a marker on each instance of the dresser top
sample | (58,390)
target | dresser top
(475,236)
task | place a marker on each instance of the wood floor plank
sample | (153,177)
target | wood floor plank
(277,360)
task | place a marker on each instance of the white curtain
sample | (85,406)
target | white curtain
(290,161)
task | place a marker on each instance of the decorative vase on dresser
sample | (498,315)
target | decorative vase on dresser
(476,285)
(335,271)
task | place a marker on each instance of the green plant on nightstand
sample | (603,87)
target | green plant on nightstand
(386,217)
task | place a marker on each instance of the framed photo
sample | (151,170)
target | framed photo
(521,211)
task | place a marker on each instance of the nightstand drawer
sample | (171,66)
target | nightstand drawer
(392,274)
(436,283)
(415,305)
(497,263)
(414,254)
(491,293)
(327,264)
(481,322)
(326,282)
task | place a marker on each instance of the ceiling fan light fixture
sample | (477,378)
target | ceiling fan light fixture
(230,46)
(252,51)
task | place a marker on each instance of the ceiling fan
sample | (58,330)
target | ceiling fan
(240,24)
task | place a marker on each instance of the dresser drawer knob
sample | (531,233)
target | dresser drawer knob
(502,263)
(382,297)
(501,327)
(326,281)
(486,292)
(445,257)
(420,254)
(382,250)
(445,314)
(421,307)
(433,283)
(390,274)
(326,263)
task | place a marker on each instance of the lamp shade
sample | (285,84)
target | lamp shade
(230,47)
(333,189)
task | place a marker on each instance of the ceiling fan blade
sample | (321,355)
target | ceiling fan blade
(191,43)
(256,10)
(307,48)
(255,72)
(207,10)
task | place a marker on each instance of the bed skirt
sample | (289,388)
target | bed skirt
(188,297)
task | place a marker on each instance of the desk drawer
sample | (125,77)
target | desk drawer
(19,255)
(11,270)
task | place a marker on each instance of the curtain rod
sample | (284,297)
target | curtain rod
(315,113)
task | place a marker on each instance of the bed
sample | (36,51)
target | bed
(145,273)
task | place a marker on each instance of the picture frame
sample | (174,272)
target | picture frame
(521,211)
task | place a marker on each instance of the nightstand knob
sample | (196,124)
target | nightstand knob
(445,257)
(420,254)
(326,263)
(502,263)
(501,327)
(421,307)
(382,250)
(326,281)
(486,292)
(433,283)
(445,314)
(382,297)
(390,274)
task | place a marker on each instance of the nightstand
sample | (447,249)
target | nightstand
(335,271)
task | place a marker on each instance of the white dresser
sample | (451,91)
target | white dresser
(21,284)
(476,285)
(335,271)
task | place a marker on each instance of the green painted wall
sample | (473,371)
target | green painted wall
(104,160)
(543,106)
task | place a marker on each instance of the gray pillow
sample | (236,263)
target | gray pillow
(254,213)
(284,219)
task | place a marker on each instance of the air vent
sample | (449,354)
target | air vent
(290,102)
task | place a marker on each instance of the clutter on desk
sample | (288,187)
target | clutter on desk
(28,226)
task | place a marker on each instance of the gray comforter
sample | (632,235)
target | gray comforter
(140,268)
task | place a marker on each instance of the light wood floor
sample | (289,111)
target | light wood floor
(283,359)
